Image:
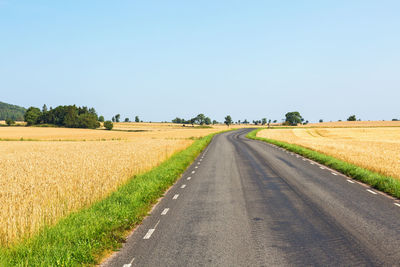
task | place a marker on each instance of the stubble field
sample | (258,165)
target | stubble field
(376,149)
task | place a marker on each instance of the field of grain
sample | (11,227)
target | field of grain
(376,149)
(56,171)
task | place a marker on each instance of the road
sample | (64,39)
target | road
(247,203)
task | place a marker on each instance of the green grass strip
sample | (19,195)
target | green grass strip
(83,237)
(381,182)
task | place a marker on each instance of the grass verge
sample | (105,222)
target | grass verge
(84,237)
(381,182)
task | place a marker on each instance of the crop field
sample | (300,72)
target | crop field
(56,171)
(376,149)
(355,124)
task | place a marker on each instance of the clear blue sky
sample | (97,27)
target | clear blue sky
(162,59)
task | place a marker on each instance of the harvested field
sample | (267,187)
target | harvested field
(376,149)
(353,124)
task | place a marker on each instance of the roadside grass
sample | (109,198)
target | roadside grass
(378,181)
(84,237)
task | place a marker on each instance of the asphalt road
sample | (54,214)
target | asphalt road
(248,203)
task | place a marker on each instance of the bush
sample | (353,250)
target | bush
(10,122)
(108,125)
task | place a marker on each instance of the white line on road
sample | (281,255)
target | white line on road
(198,163)
(372,192)
(201,159)
(176,196)
(196,167)
(304,159)
(165,211)
(350,181)
(334,173)
(193,171)
(130,263)
(149,233)
(312,163)
(322,168)
(397,204)
(189,178)
(183,186)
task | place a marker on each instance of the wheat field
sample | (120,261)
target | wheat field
(64,170)
(376,149)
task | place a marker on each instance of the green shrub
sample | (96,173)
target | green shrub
(108,125)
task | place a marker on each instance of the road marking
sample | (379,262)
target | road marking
(196,167)
(130,263)
(176,196)
(183,186)
(334,173)
(201,159)
(397,204)
(304,159)
(193,171)
(149,233)
(165,211)
(350,181)
(189,178)
(198,163)
(312,163)
(372,192)
(156,224)
(322,168)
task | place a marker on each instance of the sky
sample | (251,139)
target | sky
(163,59)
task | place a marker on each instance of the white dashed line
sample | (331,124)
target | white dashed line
(188,178)
(304,159)
(165,211)
(334,173)
(322,168)
(193,172)
(196,167)
(397,204)
(312,163)
(130,263)
(201,159)
(372,192)
(183,186)
(198,163)
(149,233)
(176,196)
(350,181)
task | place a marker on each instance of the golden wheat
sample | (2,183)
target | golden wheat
(376,149)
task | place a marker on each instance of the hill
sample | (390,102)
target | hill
(8,111)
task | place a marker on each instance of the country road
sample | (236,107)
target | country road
(248,203)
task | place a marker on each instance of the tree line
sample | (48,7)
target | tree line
(66,116)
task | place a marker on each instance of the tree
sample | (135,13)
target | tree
(293,118)
(126,119)
(214,122)
(352,118)
(264,121)
(207,121)
(32,116)
(10,122)
(275,121)
(200,119)
(101,119)
(113,119)
(228,120)
(117,117)
(321,120)
(137,119)
(108,125)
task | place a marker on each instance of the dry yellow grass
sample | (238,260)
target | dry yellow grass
(356,124)
(376,149)
(42,181)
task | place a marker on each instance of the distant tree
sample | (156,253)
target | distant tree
(207,121)
(32,116)
(200,119)
(126,120)
(293,118)
(264,121)
(101,118)
(117,117)
(113,119)
(321,120)
(306,122)
(352,118)
(245,121)
(10,122)
(238,121)
(137,119)
(214,122)
(176,120)
(228,120)
(395,119)
(275,121)
(44,108)
(108,125)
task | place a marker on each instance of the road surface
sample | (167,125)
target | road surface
(248,203)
